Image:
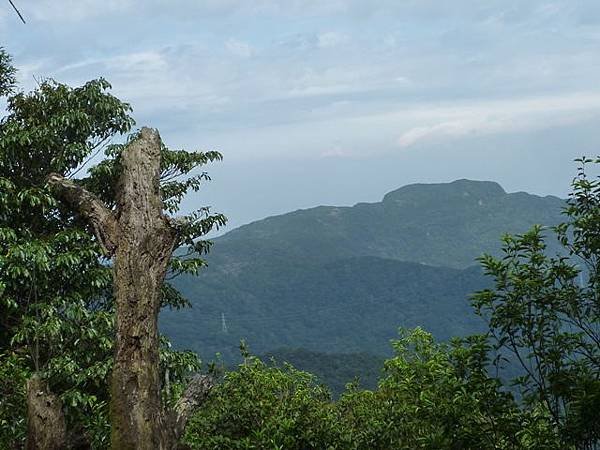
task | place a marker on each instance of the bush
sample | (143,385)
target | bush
(262,407)
(433,396)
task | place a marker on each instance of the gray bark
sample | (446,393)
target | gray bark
(46,428)
(142,239)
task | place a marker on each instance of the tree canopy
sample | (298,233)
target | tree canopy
(57,303)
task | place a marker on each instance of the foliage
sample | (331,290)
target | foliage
(437,396)
(56,306)
(7,73)
(14,372)
(544,316)
(335,370)
(265,407)
(432,396)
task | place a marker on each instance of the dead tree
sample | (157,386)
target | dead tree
(141,239)
(46,428)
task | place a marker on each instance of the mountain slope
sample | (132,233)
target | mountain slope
(438,224)
(349,305)
(342,279)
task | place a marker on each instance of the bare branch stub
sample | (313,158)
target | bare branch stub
(45,419)
(101,218)
(196,393)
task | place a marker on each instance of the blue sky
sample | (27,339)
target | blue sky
(337,101)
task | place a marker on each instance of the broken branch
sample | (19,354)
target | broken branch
(102,219)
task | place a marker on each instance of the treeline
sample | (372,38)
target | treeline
(431,396)
(334,370)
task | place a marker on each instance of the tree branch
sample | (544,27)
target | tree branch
(195,394)
(102,219)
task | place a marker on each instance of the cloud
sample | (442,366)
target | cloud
(331,39)
(335,151)
(85,10)
(500,116)
(74,10)
(383,74)
(239,48)
(452,129)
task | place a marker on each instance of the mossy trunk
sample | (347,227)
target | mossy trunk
(141,240)
(46,428)
(143,249)
(137,417)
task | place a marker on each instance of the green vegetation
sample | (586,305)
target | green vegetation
(546,316)
(538,307)
(56,301)
(354,305)
(335,370)
(432,396)
(55,308)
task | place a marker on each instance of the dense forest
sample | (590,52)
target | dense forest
(83,366)
(343,279)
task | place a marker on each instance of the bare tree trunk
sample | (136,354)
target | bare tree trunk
(46,428)
(144,248)
(141,239)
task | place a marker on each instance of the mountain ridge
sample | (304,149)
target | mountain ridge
(478,211)
(343,279)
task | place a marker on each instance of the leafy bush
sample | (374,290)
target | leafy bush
(433,396)
(265,407)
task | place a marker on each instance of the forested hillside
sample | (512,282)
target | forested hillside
(349,305)
(343,279)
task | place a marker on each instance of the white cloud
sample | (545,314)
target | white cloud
(331,39)
(451,128)
(336,151)
(145,61)
(239,48)
(500,116)
(318,81)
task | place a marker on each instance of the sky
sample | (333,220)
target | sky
(336,102)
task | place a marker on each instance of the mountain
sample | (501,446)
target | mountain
(343,279)
(446,224)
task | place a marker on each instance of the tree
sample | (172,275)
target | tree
(440,396)
(431,396)
(54,309)
(56,302)
(545,318)
(141,238)
(258,406)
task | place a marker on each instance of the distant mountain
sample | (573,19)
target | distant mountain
(348,305)
(437,224)
(343,279)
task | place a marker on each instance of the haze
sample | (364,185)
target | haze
(337,101)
